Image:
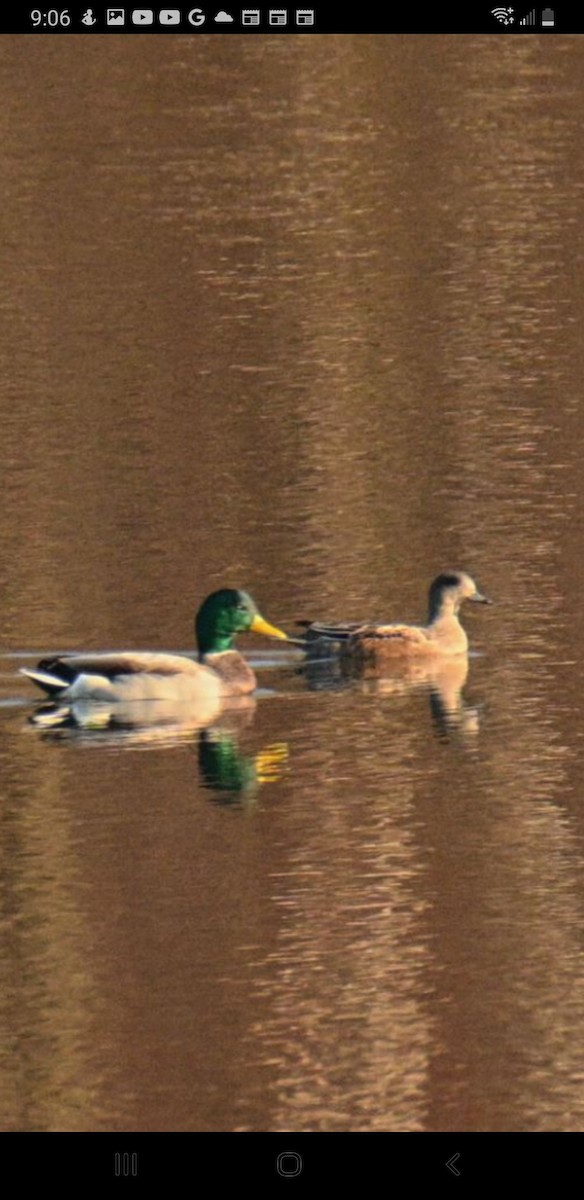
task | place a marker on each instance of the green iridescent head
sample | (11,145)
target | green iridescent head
(223,615)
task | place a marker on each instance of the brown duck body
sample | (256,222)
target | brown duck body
(370,644)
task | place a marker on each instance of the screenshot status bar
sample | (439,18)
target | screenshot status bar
(278,21)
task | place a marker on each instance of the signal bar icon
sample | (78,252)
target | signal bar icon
(530,19)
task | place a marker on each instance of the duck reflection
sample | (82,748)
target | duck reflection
(140,722)
(225,770)
(443,680)
(223,767)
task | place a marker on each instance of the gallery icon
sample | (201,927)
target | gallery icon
(115,16)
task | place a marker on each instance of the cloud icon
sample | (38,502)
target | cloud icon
(223,16)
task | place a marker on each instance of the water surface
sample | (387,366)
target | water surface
(299,315)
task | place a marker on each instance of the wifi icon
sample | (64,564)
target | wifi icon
(504,15)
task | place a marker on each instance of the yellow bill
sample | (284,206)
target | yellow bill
(260,626)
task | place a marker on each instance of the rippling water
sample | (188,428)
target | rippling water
(303,316)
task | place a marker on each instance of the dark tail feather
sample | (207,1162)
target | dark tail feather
(51,684)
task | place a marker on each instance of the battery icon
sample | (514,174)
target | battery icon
(547,16)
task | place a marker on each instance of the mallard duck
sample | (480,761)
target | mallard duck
(372,643)
(220,672)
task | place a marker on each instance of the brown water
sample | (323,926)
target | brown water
(301,315)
